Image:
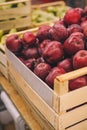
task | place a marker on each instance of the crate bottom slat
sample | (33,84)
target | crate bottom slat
(79,126)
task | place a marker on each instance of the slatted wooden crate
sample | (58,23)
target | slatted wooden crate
(59,108)
(14,16)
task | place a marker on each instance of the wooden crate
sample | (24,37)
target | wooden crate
(61,109)
(43,7)
(16,17)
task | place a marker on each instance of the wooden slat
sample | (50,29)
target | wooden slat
(58,3)
(79,126)
(73,99)
(15,12)
(17,23)
(13,2)
(72,117)
(72,74)
(18,17)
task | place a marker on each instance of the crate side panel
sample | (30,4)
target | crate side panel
(74,116)
(73,99)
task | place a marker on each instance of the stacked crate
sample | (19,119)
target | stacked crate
(13,14)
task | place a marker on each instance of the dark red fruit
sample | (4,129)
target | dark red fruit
(58,32)
(66,64)
(42,45)
(53,52)
(77,83)
(30,63)
(80,59)
(72,16)
(74,28)
(30,53)
(73,44)
(29,39)
(79,35)
(43,32)
(13,43)
(52,75)
(42,70)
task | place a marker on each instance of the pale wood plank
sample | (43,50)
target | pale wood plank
(15,12)
(80,126)
(74,116)
(72,99)
(16,23)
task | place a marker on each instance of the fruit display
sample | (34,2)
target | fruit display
(48,13)
(55,50)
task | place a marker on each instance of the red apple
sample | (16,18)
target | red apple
(13,43)
(72,16)
(42,70)
(80,11)
(77,83)
(30,63)
(80,59)
(43,45)
(56,71)
(73,44)
(66,64)
(74,28)
(79,35)
(29,39)
(53,52)
(43,32)
(30,53)
(58,32)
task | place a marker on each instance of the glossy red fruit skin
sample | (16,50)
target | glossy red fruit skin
(72,17)
(42,46)
(74,28)
(80,11)
(73,44)
(56,71)
(53,52)
(42,70)
(13,43)
(30,63)
(78,34)
(58,32)
(43,32)
(28,38)
(80,59)
(66,64)
(30,53)
(77,83)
